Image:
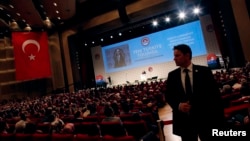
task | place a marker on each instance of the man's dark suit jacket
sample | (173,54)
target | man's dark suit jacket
(205,101)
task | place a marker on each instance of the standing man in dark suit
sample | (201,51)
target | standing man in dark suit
(192,109)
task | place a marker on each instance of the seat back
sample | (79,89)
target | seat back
(62,137)
(40,137)
(84,137)
(7,137)
(23,137)
(136,128)
(93,118)
(126,117)
(90,128)
(44,127)
(12,128)
(112,128)
(121,138)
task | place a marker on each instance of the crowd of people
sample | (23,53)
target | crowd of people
(62,110)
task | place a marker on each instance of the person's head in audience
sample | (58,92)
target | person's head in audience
(68,128)
(115,107)
(226,89)
(108,111)
(136,117)
(110,117)
(92,108)
(23,117)
(57,124)
(125,107)
(21,124)
(77,114)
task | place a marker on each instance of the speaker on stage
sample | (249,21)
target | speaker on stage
(109,80)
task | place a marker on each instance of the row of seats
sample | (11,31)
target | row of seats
(131,128)
(229,111)
(93,118)
(61,137)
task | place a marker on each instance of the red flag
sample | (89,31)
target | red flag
(31,55)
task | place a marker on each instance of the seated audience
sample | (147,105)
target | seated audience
(78,117)
(68,128)
(109,115)
(21,124)
(56,123)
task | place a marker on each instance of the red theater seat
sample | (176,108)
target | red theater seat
(112,128)
(23,137)
(232,109)
(122,138)
(62,137)
(239,101)
(44,127)
(40,137)
(92,118)
(7,137)
(85,137)
(126,117)
(148,117)
(136,128)
(90,128)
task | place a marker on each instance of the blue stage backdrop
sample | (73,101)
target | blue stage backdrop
(153,48)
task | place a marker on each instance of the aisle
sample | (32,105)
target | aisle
(165,113)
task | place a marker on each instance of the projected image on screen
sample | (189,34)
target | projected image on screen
(153,48)
(118,56)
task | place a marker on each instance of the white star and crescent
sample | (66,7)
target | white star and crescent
(27,42)
(32,57)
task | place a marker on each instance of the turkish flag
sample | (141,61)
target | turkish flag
(31,53)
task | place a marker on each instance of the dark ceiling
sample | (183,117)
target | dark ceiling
(60,12)
(65,13)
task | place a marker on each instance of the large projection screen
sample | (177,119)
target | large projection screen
(153,48)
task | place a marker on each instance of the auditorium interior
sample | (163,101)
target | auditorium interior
(81,34)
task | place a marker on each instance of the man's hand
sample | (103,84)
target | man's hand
(184,107)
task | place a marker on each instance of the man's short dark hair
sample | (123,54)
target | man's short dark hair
(185,49)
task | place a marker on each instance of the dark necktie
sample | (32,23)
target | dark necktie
(188,83)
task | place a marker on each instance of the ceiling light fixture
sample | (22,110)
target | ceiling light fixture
(13,25)
(27,28)
(47,22)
